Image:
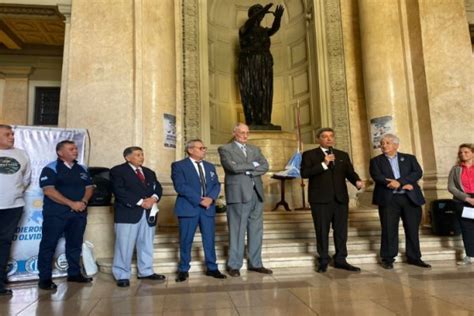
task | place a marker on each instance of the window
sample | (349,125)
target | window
(46,106)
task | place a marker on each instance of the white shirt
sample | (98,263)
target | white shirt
(139,203)
(325,152)
(196,167)
(15,176)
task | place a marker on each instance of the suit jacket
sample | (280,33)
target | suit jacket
(187,184)
(410,173)
(455,184)
(128,190)
(325,185)
(240,174)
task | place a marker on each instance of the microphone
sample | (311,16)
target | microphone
(330,152)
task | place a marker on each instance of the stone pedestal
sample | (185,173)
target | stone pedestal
(100,230)
(278,147)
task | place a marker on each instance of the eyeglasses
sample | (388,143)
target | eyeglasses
(201,148)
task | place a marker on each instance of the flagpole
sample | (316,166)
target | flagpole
(300,149)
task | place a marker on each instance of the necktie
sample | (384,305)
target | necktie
(202,178)
(244,149)
(140,175)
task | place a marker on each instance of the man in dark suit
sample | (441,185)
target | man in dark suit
(244,165)
(398,195)
(136,191)
(327,169)
(198,187)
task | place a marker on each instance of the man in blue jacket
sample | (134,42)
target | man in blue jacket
(67,188)
(198,187)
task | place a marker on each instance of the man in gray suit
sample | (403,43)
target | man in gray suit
(244,165)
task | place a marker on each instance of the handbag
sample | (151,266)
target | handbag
(88,259)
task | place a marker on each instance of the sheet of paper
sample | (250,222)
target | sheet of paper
(154,210)
(468,212)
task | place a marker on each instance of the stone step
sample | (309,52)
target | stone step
(305,245)
(294,216)
(292,232)
(288,260)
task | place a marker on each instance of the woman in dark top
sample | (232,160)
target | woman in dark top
(461,185)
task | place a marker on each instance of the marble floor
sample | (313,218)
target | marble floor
(447,289)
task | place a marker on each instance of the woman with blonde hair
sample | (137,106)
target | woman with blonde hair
(461,185)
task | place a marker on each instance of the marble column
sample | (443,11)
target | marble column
(120,79)
(384,67)
(65,10)
(155,90)
(14,99)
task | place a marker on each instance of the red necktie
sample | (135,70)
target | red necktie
(140,175)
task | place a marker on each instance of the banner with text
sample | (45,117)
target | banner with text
(40,144)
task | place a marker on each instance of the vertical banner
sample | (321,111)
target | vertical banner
(40,144)
(169,129)
(378,127)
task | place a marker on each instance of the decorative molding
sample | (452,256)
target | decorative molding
(191,70)
(15,10)
(336,71)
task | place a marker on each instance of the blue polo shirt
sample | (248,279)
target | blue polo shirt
(70,182)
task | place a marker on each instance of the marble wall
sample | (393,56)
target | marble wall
(433,66)
(449,66)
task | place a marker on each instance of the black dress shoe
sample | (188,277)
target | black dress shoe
(182,276)
(216,274)
(47,285)
(419,263)
(346,266)
(233,272)
(261,270)
(5,291)
(387,265)
(123,283)
(322,268)
(154,277)
(79,279)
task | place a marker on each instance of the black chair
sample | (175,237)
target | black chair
(444,218)
(103,188)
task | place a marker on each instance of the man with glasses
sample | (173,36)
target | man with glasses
(198,187)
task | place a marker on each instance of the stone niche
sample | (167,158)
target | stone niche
(308,68)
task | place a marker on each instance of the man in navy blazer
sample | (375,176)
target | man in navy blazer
(136,191)
(397,194)
(198,187)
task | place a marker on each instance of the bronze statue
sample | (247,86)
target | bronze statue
(256,66)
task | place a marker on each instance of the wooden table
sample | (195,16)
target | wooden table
(282,192)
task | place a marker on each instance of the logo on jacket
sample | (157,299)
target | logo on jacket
(9,165)
(213,174)
(84,176)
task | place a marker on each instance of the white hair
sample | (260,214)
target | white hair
(237,126)
(391,137)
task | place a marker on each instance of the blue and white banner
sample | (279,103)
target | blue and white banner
(40,144)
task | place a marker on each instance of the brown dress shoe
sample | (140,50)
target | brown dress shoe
(261,270)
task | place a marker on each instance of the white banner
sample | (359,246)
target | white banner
(40,144)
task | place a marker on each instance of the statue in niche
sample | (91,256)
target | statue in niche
(256,67)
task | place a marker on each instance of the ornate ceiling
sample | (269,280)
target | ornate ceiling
(39,28)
